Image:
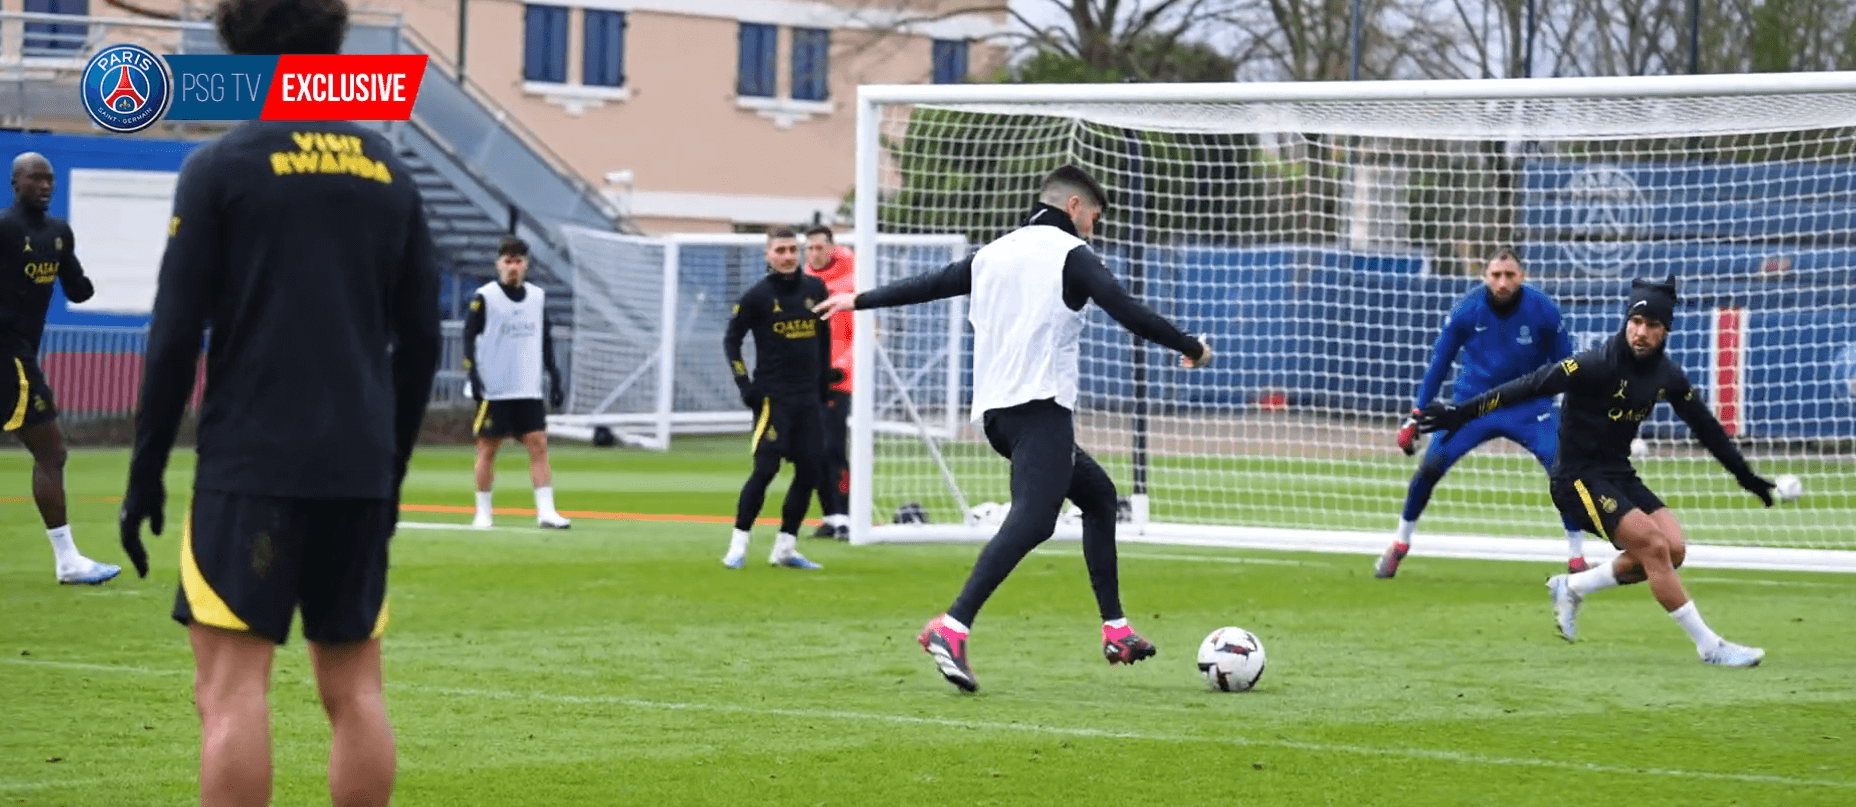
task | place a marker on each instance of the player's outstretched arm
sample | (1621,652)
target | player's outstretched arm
(1085,278)
(1709,431)
(952,280)
(1551,379)
(1443,355)
(77,287)
(190,267)
(416,329)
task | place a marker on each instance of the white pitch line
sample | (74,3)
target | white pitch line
(1760,582)
(1034,728)
(1194,558)
(433,525)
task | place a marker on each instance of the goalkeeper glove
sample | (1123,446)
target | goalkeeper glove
(555,396)
(1756,485)
(1408,434)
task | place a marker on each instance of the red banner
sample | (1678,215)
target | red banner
(344,87)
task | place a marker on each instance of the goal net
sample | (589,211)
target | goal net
(1320,233)
(650,313)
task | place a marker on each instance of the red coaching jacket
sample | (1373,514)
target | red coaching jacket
(840,276)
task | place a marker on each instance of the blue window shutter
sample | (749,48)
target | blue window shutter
(758,51)
(811,64)
(950,61)
(56,38)
(603,58)
(544,44)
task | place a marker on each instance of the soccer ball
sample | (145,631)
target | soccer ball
(1231,659)
(1788,488)
(1638,448)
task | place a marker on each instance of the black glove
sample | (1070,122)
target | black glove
(1756,485)
(555,396)
(834,376)
(144,500)
(750,394)
(78,289)
(1443,417)
(1408,434)
(476,387)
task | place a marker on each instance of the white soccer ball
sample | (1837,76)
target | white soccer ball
(1638,448)
(1231,659)
(1788,488)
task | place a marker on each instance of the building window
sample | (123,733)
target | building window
(56,38)
(811,64)
(758,51)
(544,49)
(950,61)
(603,61)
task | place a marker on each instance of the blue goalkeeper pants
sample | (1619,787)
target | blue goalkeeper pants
(1535,428)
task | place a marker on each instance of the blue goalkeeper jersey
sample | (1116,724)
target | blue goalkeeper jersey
(1495,348)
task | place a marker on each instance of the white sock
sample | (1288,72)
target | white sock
(1690,620)
(1116,623)
(1575,543)
(953,623)
(483,503)
(544,501)
(63,548)
(1405,529)
(738,543)
(1597,578)
(783,544)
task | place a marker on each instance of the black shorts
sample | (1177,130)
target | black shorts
(247,563)
(1597,501)
(791,428)
(25,398)
(509,418)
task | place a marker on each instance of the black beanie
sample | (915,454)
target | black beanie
(1654,299)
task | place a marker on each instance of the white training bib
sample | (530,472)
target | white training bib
(1025,339)
(509,349)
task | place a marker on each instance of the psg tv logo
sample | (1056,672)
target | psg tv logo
(127,88)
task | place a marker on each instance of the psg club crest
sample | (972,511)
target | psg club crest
(127,88)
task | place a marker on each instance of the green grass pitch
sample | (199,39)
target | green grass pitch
(619,663)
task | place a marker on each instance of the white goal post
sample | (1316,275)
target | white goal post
(647,365)
(1319,233)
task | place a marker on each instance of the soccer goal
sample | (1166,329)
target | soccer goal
(649,315)
(1319,233)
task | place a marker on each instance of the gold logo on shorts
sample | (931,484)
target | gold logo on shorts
(263,552)
(1610,504)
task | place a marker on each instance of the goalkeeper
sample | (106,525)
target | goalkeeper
(1504,330)
(1609,391)
(787,392)
(1028,290)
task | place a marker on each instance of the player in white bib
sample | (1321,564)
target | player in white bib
(507,346)
(1027,291)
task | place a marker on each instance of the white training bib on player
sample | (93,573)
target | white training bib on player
(1024,338)
(509,350)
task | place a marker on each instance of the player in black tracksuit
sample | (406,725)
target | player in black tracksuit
(37,250)
(1609,391)
(787,392)
(304,246)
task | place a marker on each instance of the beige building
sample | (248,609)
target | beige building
(688,115)
(706,115)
